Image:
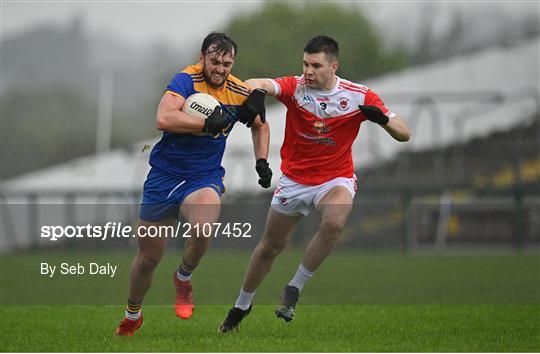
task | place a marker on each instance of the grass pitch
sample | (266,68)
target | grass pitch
(356,302)
(333,328)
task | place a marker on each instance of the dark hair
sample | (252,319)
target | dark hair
(325,44)
(219,42)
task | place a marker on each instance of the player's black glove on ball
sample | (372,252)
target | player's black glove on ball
(374,114)
(215,123)
(253,106)
(265,173)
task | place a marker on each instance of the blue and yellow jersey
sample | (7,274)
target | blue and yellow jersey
(190,156)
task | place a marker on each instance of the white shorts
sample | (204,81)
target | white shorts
(291,198)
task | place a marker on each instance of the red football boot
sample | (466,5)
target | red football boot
(128,327)
(184,298)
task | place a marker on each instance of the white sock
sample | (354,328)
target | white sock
(183,277)
(301,277)
(244,300)
(133,310)
(133,316)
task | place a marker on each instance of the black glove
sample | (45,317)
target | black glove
(264,171)
(253,106)
(374,114)
(216,123)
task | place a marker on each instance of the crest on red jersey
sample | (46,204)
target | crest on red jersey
(320,127)
(343,103)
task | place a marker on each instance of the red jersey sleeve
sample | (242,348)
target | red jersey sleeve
(285,87)
(372,99)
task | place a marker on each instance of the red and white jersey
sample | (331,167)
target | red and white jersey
(321,127)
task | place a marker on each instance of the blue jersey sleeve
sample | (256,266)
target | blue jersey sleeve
(182,84)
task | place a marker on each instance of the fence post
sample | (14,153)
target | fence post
(69,213)
(34,231)
(405,208)
(519,218)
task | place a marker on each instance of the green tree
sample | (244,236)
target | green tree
(271,41)
(42,127)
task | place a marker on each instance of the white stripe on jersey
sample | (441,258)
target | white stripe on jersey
(277,88)
(390,114)
(342,100)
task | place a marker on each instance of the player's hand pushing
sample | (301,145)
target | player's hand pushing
(216,123)
(252,107)
(265,173)
(374,114)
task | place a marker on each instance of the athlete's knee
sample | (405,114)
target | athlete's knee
(201,230)
(199,240)
(147,261)
(332,226)
(271,249)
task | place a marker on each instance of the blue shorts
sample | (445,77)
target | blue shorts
(163,194)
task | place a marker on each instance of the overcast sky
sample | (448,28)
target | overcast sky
(141,22)
(133,21)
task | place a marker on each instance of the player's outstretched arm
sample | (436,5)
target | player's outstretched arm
(254,105)
(398,129)
(252,108)
(396,126)
(264,84)
(169,118)
(260,133)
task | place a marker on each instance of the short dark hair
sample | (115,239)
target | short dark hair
(219,42)
(325,44)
